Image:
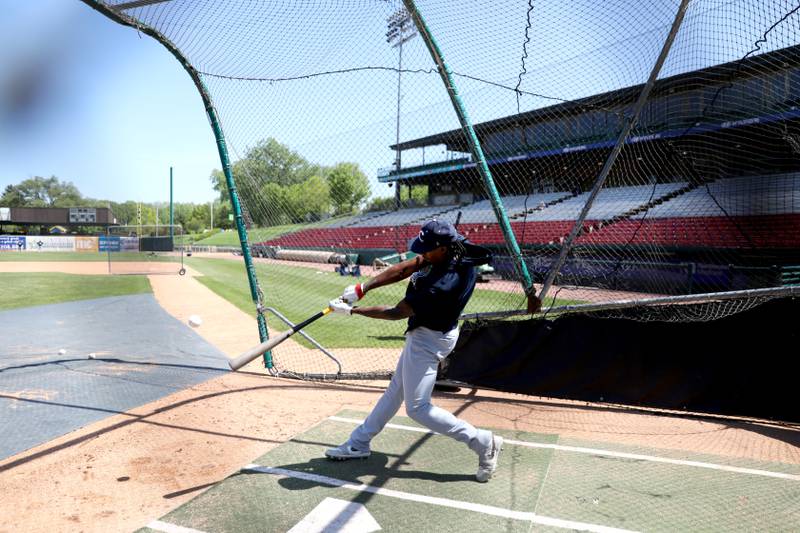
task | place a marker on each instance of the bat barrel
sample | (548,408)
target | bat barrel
(269,344)
(254,352)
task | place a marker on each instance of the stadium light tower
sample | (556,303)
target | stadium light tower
(399,30)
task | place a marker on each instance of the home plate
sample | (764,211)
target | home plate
(337,516)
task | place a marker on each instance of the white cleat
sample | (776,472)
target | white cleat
(487,461)
(345,452)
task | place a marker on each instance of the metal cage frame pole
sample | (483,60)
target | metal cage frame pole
(117,16)
(612,157)
(474,144)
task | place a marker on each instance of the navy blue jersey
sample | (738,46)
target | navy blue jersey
(439,293)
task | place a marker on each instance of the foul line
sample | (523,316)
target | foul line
(607,453)
(433,500)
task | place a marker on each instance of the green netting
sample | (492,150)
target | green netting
(341,131)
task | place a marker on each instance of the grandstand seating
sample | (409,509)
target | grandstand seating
(482,212)
(752,195)
(758,211)
(398,218)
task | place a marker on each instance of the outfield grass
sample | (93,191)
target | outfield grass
(299,292)
(40,288)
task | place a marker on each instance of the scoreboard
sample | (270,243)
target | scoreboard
(82,215)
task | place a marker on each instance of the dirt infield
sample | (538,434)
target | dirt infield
(98,268)
(122,472)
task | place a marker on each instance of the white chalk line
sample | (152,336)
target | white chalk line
(433,500)
(608,453)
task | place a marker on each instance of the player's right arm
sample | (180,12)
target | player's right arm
(393,274)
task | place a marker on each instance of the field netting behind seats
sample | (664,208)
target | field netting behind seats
(343,138)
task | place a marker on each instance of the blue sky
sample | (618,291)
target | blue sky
(111,111)
(101,107)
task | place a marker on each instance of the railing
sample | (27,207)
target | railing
(452,159)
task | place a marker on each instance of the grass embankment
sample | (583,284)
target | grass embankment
(39,288)
(299,292)
(254,235)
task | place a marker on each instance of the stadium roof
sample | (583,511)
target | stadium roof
(772,61)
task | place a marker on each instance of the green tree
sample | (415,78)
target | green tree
(12,197)
(194,225)
(418,195)
(182,214)
(275,209)
(381,204)
(42,192)
(219,184)
(260,185)
(222,210)
(277,186)
(202,212)
(272,162)
(124,212)
(308,201)
(349,187)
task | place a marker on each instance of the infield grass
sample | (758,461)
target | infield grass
(27,289)
(299,292)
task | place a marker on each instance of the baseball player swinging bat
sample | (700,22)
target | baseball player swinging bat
(269,344)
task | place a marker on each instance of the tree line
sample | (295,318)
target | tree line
(275,184)
(52,192)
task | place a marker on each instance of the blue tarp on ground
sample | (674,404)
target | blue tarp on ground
(142,354)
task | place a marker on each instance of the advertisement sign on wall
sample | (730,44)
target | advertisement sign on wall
(86,244)
(130,244)
(12,242)
(109,243)
(43,243)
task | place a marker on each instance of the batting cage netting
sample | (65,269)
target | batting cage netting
(616,154)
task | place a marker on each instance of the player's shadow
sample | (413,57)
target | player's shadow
(372,471)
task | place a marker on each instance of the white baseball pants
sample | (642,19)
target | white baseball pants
(413,382)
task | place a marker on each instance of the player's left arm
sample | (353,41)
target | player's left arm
(385,312)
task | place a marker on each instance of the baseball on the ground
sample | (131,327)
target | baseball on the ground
(195,321)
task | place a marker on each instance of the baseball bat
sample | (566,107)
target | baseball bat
(269,344)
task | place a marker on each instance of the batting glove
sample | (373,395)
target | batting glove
(340,306)
(353,293)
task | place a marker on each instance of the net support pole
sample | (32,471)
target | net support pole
(117,15)
(475,148)
(240,226)
(612,157)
